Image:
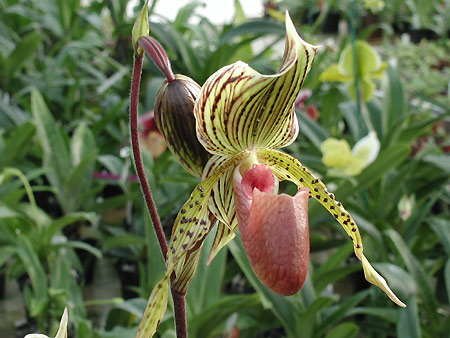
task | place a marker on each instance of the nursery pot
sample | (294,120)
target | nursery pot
(129,276)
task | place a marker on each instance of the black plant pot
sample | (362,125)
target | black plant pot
(331,23)
(418,35)
(401,27)
(25,327)
(129,276)
(88,260)
(2,285)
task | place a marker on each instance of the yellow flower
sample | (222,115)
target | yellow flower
(342,161)
(368,67)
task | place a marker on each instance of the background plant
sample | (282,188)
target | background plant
(75,58)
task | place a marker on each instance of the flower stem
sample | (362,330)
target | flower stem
(135,83)
(355,65)
(179,306)
(178,298)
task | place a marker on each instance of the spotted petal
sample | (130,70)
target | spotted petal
(239,108)
(286,167)
(189,231)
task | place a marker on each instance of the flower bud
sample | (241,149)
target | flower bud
(141,27)
(174,117)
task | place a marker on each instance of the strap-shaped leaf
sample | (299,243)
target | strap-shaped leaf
(239,108)
(189,231)
(286,167)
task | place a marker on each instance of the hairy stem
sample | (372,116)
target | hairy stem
(178,298)
(179,305)
(135,83)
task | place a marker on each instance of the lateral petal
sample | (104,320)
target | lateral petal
(189,231)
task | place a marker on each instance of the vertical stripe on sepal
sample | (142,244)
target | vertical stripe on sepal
(239,108)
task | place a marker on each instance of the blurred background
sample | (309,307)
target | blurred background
(73,227)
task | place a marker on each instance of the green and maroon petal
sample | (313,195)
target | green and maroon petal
(191,226)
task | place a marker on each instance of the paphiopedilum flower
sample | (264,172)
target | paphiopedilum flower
(368,67)
(242,117)
(150,137)
(344,161)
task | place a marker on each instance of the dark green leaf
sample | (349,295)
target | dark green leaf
(408,325)
(344,330)
(22,53)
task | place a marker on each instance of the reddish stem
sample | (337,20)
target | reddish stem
(179,305)
(179,300)
(135,83)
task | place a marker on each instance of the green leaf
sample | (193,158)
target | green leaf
(112,163)
(22,53)
(80,245)
(16,144)
(408,325)
(6,212)
(429,302)
(56,153)
(441,228)
(254,27)
(388,159)
(123,241)
(334,261)
(447,278)
(335,274)
(204,323)
(207,284)
(82,143)
(336,313)
(312,130)
(401,282)
(67,219)
(36,272)
(344,330)
(307,319)
(78,181)
(387,314)
(394,101)
(440,161)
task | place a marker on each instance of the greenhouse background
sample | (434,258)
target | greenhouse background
(373,117)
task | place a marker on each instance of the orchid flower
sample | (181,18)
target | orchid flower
(242,117)
(368,67)
(344,161)
(150,136)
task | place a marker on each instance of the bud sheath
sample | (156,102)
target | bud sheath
(174,118)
